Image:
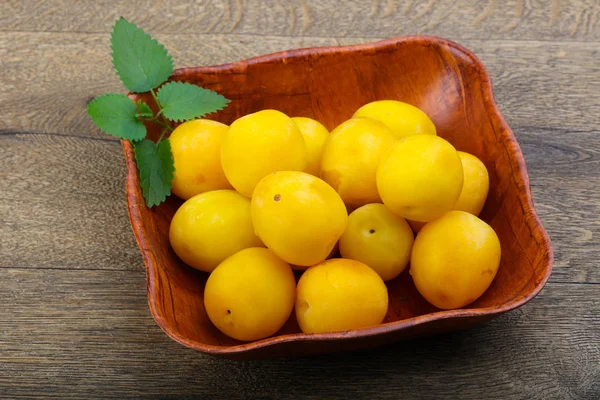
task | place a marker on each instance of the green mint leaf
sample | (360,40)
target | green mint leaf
(141,62)
(155,166)
(115,114)
(184,101)
(144,110)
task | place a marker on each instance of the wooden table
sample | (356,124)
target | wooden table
(74,321)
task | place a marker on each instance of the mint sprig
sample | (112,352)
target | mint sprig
(143,65)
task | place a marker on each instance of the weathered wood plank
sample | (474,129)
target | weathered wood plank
(564,169)
(63,203)
(570,211)
(50,91)
(462,19)
(74,334)
(560,153)
(50,77)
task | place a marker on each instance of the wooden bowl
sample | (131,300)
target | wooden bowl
(329,83)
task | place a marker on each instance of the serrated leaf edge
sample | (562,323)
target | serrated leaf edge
(112,52)
(139,105)
(171,174)
(102,96)
(227,101)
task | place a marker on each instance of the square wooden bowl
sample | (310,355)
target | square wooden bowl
(440,77)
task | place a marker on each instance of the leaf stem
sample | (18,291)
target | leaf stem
(161,135)
(156,100)
(161,123)
(156,119)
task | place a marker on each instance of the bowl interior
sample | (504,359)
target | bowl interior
(329,84)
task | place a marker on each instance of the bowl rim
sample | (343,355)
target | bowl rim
(519,173)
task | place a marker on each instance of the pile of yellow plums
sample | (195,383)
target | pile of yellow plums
(271,194)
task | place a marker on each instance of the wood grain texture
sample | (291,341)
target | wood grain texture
(90,335)
(74,322)
(462,19)
(525,75)
(63,204)
(565,177)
